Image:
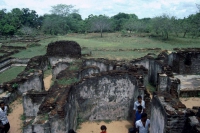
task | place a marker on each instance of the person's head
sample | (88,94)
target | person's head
(143,117)
(139,99)
(2,104)
(71,131)
(139,108)
(103,128)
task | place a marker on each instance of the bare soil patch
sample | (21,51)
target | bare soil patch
(15,115)
(47,82)
(190,102)
(112,127)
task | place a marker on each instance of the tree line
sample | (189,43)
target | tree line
(65,19)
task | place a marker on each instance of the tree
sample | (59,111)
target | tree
(119,20)
(63,10)
(162,24)
(100,23)
(198,6)
(54,24)
(27,30)
(129,25)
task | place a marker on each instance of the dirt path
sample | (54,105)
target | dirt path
(47,82)
(113,127)
(14,116)
(190,102)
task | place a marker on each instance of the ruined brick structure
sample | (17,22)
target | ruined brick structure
(89,89)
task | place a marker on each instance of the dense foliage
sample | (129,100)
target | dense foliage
(65,19)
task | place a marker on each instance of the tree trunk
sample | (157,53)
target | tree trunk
(101,33)
(167,35)
(184,34)
(176,34)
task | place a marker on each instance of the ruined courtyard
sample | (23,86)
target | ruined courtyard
(98,89)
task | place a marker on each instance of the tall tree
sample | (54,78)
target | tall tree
(119,20)
(63,10)
(100,23)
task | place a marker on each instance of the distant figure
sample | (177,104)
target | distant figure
(71,131)
(5,125)
(143,124)
(103,129)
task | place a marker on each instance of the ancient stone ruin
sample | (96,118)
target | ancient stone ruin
(101,89)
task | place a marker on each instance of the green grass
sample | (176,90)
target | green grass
(113,41)
(67,81)
(150,88)
(47,73)
(10,74)
(35,51)
(17,44)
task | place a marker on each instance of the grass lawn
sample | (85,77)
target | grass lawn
(17,44)
(10,74)
(109,45)
(34,51)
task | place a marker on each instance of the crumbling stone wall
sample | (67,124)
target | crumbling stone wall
(54,60)
(35,82)
(9,62)
(154,69)
(57,68)
(102,64)
(99,96)
(144,61)
(31,102)
(88,71)
(167,114)
(185,61)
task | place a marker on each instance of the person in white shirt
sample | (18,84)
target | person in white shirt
(139,102)
(143,124)
(135,107)
(5,126)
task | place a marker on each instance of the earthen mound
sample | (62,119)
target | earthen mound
(64,48)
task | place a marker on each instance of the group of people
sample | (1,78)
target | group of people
(140,122)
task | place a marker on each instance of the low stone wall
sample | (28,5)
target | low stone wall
(34,83)
(102,64)
(88,71)
(57,68)
(6,64)
(54,60)
(31,102)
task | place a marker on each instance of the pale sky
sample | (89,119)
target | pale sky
(142,8)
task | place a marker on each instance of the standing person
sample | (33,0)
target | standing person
(138,113)
(3,118)
(143,124)
(135,107)
(103,129)
(139,102)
